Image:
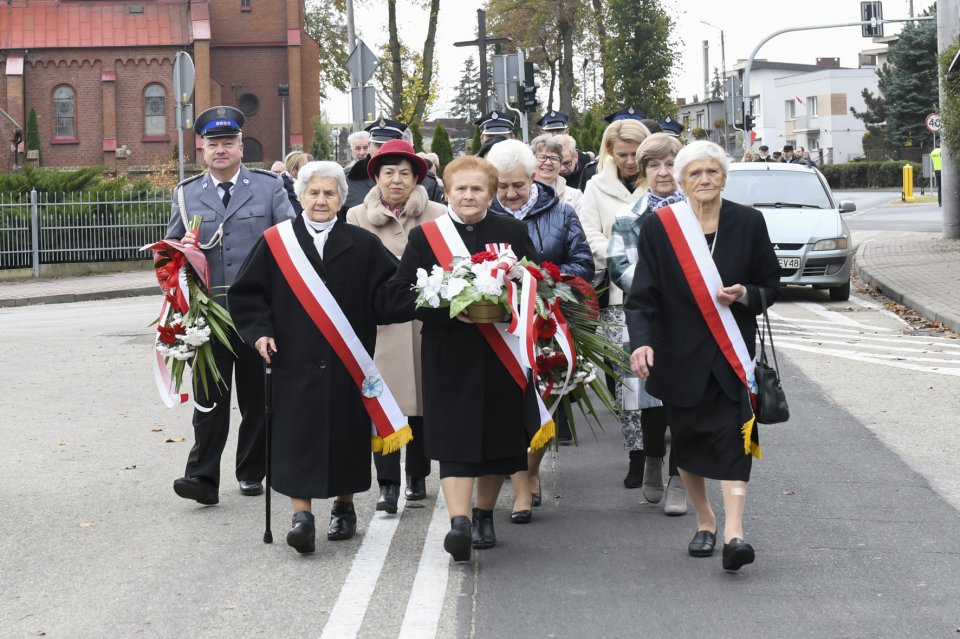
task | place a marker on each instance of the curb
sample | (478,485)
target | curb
(66,298)
(920,305)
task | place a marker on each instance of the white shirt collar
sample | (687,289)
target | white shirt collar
(233,180)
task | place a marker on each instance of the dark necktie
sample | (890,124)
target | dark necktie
(226,186)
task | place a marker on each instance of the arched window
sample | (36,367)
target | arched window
(155,110)
(252,150)
(65,108)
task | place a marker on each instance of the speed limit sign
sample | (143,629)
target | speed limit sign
(934,123)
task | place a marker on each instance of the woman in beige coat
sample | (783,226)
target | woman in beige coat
(394,206)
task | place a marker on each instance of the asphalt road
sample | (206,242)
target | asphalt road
(852,511)
(880,211)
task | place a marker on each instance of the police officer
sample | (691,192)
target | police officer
(557,123)
(494,127)
(359,183)
(626,113)
(236,205)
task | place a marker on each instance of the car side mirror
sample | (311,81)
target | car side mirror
(847,206)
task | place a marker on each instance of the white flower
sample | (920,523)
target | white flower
(488,285)
(196,335)
(455,286)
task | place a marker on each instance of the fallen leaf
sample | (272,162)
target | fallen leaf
(789,492)
(158,429)
(61,443)
(87,524)
(130,467)
(173,440)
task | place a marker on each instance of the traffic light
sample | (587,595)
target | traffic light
(872,12)
(748,122)
(529,101)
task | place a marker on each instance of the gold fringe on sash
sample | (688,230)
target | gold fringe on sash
(543,436)
(750,447)
(392,443)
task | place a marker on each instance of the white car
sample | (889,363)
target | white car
(809,236)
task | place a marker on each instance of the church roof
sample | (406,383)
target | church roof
(94,24)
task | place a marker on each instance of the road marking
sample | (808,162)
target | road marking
(876,307)
(429,587)
(354,599)
(906,343)
(836,317)
(889,351)
(872,359)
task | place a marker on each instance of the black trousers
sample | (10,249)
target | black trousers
(210,429)
(653,423)
(418,465)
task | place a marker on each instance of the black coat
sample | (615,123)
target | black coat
(661,311)
(556,233)
(359,184)
(321,431)
(473,411)
(291,193)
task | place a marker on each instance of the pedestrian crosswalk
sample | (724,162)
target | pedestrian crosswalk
(863,331)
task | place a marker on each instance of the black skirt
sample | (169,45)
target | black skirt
(707,437)
(502,466)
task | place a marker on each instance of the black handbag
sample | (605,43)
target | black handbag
(771,401)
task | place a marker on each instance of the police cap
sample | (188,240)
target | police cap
(496,123)
(671,127)
(626,113)
(219,122)
(553,121)
(385,129)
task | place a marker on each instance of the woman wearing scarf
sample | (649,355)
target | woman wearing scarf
(644,419)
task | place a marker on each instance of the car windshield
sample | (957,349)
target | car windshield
(777,189)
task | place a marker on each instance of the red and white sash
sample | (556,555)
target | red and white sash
(686,237)
(390,429)
(446,244)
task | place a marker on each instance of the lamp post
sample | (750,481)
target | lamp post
(723,63)
(335,143)
(283,90)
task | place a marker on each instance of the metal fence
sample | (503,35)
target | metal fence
(60,228)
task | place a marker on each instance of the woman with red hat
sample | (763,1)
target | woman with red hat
(394,206)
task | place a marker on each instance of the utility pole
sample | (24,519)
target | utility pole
(948,27)
(351,43)
(482,42)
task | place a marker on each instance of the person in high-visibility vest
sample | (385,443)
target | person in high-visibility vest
(935,161)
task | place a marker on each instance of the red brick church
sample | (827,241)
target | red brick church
(100,75)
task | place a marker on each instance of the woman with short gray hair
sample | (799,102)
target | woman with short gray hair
(548,150)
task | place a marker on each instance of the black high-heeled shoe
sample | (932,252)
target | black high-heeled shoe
(521,516)
(702,544)
(736,554)
(537,496)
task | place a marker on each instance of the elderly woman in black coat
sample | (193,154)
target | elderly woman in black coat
(321,430)
(477,419)
(555,230)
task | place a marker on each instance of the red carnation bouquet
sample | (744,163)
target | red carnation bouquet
(189,319)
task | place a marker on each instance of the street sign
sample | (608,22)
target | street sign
(184,75)
(934,123)
(362,63)
(364,107)
(872,12)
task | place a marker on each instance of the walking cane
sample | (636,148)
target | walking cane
(267,410)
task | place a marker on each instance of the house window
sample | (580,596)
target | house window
(755,105)
(155,110)
(700,121)
(65,108)
(252,150)
(812,105)
(245,5)
(790,110)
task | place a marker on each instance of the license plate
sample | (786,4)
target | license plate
(789,262)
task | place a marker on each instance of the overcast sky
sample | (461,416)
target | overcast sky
(744,24)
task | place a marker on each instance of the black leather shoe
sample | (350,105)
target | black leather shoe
(457,541)
(634,478)
(736,554)
(521,516)
(416,489)
(193,488)
(250,488)
(483,534)
(303,536)
(389,494)
(702,544)
(537,497)
(343,521)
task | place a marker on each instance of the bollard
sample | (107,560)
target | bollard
(907,183)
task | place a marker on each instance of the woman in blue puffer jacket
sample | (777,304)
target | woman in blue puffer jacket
(556,233)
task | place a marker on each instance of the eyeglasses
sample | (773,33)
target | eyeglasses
(552,159)
(568,164)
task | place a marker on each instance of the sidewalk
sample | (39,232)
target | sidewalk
(921,272)
(78,289)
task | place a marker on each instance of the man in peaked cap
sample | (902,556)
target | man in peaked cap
(236,205)
(554,123)
(626,113)
(381,131)
(671,127)
(496,123)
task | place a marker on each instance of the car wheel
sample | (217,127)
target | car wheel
(840,293)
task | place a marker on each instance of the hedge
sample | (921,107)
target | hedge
(869,175)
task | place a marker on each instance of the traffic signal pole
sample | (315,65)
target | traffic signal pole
(948,28)
(749,65)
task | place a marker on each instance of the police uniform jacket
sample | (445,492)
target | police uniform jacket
(257,202)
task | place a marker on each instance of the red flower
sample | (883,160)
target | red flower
(544,328)
(535,272)
(168,334)
(586,293)
(552,270)
(483,256)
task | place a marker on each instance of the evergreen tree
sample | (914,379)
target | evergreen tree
(906,88)
(467,95)
(441,146)
(716,88)
(589,132)
(320,142)
(638,57)
(33,134)
(417,136)
(475,142)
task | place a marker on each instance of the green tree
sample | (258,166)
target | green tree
(411,93)
(467,95)
(413,86)
(325,22)
(588,132)
(417,136)
(906,87)
(320,142)
(475,142)
(33,134)
(441,146)
(638,57)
